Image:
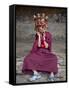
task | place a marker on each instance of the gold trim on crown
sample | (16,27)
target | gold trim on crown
(40,16)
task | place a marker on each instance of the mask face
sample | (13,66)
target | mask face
(40,25)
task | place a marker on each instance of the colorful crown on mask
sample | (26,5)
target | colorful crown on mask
(41,20)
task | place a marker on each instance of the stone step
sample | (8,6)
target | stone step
(21,78)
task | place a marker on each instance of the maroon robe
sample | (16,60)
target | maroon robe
(41,59)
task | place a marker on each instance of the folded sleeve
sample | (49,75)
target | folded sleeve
(35,44)
(49,41)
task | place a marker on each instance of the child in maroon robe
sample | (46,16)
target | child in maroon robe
(40,58)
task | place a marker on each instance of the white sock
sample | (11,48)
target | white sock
(52,74)
(35,72)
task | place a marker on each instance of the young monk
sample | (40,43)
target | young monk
(41,58)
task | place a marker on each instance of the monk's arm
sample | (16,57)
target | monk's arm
(48,41)
(45,43)
(39,41)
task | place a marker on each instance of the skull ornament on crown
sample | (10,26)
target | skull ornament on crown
(41,21)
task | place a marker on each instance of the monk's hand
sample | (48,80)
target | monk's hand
(38,34)
(46,44)
(44,36)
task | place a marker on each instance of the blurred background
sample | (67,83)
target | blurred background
(25,34)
